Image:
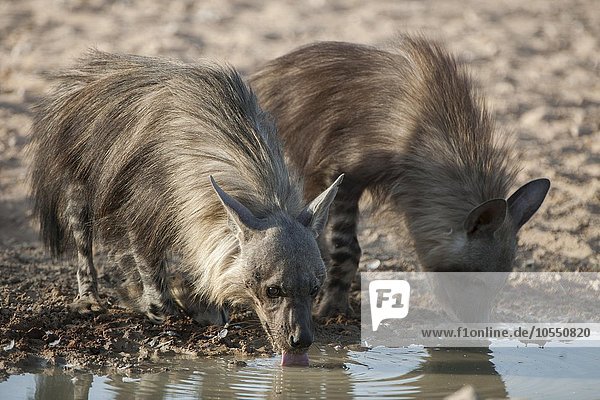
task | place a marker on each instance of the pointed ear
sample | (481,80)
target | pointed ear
(241,219)
(526,200)
(486,217)
(314,216)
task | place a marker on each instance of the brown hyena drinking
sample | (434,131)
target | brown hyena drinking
(408,127)
(124,152)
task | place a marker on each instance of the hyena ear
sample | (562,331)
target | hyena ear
(526,200)
(314,216)
(242,220)
(486,217)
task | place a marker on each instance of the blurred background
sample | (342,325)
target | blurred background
(537,62)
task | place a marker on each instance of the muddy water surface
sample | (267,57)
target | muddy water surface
(413,373)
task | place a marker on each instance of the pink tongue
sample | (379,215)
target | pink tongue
(288,359)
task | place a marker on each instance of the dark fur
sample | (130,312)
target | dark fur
(407,126)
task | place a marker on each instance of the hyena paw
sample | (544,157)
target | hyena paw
(158,313)
(86,304)
(208,315)
(332,307)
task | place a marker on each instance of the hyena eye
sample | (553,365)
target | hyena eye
(273,291)
(314,291)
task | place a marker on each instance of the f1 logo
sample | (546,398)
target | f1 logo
(389,299)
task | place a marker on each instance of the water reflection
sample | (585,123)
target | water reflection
(449,369)
(408,373)
(56,385)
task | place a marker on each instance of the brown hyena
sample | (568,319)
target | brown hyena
(407,126)
(122,152)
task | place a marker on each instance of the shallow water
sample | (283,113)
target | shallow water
(408,373)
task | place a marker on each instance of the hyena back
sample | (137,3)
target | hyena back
(124,152)
(407,126)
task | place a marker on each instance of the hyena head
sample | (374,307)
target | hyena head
(282,269)
(487,239)
(486,242)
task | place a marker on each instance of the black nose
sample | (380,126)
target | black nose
(303,340)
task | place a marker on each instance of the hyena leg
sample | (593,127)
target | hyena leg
(343,250)
(156,300)
(199,310)
(130,289)
(79,220)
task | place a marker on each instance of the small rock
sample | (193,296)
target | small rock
(373,264)
(529,263)
(272,36)
(329,365)
(35,333)
(50,336)
(357,347)
(122,346)
(237,363)
(9,346)
(465,393)
(222,334)
(580,130)
(171,333)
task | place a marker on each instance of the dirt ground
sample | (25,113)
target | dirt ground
(538,62)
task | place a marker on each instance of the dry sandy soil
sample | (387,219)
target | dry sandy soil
(537,61)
